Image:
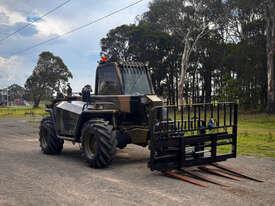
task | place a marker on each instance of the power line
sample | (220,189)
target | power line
(38,18)
(77,28)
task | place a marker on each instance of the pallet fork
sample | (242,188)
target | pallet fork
(198,135)
(196,178)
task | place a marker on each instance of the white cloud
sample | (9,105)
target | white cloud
(51,26)
(12,70)
(13,16)
(45,27)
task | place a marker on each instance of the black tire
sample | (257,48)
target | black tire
(49,142)
(98,144)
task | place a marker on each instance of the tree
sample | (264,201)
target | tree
(143,43)
(116,43)
(205,49)
(247,54)
(270,49)
(15,92)
(189,20)
(49,76)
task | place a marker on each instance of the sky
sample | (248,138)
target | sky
(80,51)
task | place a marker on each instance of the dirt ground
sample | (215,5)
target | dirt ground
(28,177)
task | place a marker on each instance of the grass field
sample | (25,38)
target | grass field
(21,111)
(256,135)
(256,132)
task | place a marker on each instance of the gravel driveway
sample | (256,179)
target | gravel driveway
(28,177)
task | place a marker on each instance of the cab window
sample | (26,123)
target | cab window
(107,81)
(136,81)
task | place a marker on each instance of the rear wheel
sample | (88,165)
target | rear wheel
(98,144)
(49,142)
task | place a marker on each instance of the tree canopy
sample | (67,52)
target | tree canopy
(49,76)
(228,61)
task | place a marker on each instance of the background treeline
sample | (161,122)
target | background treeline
(228,62)
(49,78)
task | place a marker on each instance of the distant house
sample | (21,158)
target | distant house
(3,97)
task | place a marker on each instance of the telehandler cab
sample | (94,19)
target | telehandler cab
(125,110)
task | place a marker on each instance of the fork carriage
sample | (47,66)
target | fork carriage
(192,135)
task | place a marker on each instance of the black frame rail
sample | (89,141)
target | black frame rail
(189,135)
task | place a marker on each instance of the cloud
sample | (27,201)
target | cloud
(3,18)
(80,50)
(8,67)
(5,30)
(11,21)
(11,17)
(12,70)
(51,26)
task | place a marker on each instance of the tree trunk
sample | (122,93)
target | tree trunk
(270,47)
(184,65)
(207,85)
(188,48)
(36,101)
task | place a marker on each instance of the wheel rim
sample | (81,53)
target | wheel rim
(89,146)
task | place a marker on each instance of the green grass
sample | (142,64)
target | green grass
(21,111)
(256,135)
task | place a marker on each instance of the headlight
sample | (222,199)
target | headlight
(144,100)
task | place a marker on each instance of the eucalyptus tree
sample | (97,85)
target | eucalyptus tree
(270,50)
(50,75)
(189,20)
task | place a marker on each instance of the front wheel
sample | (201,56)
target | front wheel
(98,144)
(49,142)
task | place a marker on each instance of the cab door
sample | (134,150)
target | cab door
(67,116)
(107,80)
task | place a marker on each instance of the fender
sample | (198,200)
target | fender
(98,116)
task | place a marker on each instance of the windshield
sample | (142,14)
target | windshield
(136,81)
